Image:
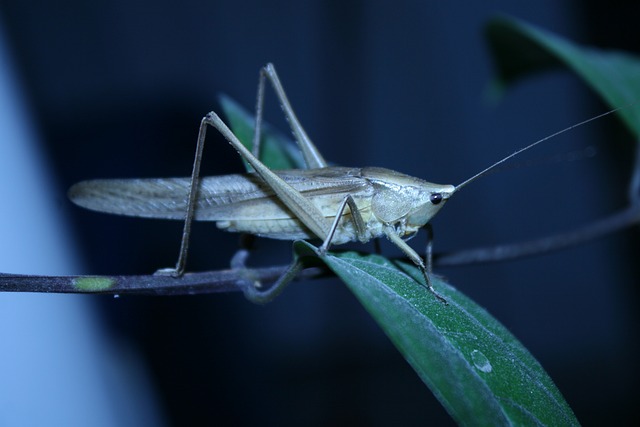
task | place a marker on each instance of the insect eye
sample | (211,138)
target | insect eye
(435,198)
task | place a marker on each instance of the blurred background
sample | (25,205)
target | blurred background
(117,89)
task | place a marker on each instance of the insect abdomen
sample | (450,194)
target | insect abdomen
(284,229)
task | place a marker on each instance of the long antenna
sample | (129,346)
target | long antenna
(553,135)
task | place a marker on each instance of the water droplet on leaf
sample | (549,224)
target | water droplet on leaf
(481,362)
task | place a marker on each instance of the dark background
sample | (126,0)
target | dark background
(117,89)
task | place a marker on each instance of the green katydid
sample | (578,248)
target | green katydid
(333,204)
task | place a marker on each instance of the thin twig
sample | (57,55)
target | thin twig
(600,228)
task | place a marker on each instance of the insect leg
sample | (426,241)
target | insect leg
(239,259)
(251,285)
(253,294)
(414,257)
(429,250)
(355,215)
(301,207)
(257,129)
(178,270)
(250,288)
(311,155)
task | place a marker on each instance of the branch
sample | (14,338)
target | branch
(187,284)
(231,280)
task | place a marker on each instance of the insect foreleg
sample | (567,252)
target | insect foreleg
(414,257)
(429,249)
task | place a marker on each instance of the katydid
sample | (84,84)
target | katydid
(333,204)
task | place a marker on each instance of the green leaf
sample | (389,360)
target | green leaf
(520,49)
(475,367)
(276,151)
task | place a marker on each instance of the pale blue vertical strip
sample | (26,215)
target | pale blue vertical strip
(57,365)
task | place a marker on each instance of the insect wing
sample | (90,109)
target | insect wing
(225,197)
